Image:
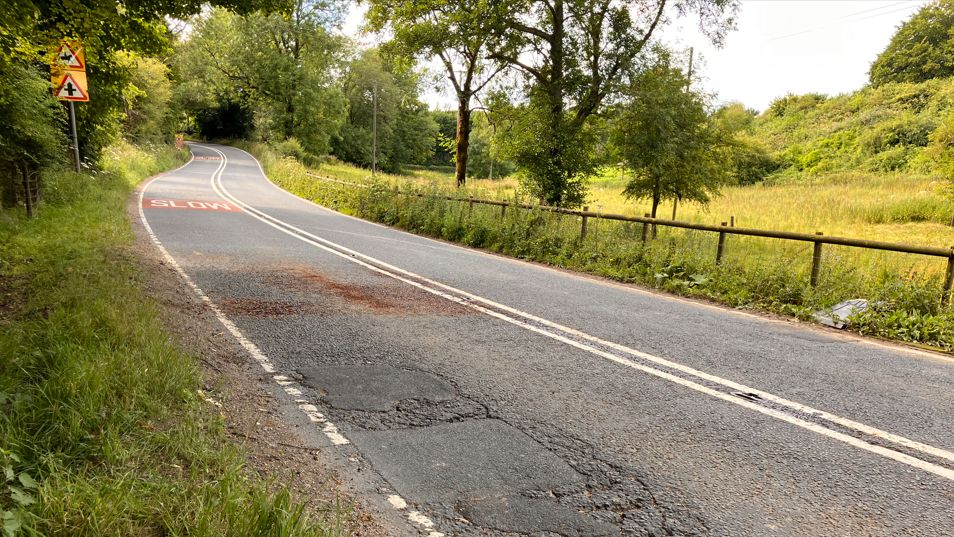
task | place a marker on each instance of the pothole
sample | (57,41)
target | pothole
(374,388)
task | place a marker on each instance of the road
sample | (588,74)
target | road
(491,396)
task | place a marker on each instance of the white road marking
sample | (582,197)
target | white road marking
(418,518)
(328,428)
(474,301)
(397,502)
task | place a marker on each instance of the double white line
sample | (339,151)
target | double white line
(937,461)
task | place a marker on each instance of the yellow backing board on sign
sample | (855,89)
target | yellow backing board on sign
(70,86)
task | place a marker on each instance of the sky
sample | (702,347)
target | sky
(779,47)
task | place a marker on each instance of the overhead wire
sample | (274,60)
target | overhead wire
(909,4)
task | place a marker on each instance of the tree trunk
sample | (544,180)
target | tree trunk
(656,199)
(27,190)
(462,139)
(555,183)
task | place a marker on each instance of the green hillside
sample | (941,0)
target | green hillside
(892,128)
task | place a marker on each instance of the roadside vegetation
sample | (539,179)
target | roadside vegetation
(103,429)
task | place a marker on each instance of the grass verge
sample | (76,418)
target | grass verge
(102,428)
(756,273)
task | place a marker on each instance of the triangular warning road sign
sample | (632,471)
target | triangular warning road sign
(67,58)
(70,90)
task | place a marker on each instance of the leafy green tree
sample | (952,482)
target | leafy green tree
(486,159)
(921,49)
(147,113)
(667,140)
(749,160)
(383,98)
(281,66)
(574,54)
(457,32)
(444,141)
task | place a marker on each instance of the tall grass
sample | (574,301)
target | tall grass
(97,406)
(756,273)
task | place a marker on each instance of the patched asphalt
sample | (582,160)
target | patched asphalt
(490,429)
(374,387)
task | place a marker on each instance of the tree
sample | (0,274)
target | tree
(147,113)
(667,140)
(281,66)
(383,97)
(457,32)
(574,54)
(921,49)
(749,161)
(486,161)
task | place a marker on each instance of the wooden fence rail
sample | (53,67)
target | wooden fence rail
(817,240)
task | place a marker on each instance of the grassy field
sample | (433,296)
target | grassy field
(102,431)
(761,274)
(906,208)
(903,208)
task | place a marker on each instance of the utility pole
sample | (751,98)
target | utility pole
(689,75)
(374,130)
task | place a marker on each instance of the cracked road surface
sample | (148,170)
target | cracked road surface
(488,396)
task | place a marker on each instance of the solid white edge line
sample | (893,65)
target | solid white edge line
(850,440)
(311,411)
(326,427)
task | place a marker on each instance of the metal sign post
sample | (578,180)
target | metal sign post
(76,155)
(68,75)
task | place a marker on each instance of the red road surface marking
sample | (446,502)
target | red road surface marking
(148,203)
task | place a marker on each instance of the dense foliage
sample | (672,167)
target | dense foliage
(921,49)
(383,97)
(268,73)
(130,90)
(891,128)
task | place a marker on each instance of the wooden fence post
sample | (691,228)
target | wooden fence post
(503,211)
(816,261)
(645,229)
(948,279)
(27,189)
(583,225)
(721,249)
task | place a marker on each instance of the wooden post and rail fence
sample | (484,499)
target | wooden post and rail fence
(818,240)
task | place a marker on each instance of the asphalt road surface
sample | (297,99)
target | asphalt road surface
(490,396)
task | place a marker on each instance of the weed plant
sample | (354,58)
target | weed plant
(102,430)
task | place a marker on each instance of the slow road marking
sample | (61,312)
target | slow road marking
(151,203)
